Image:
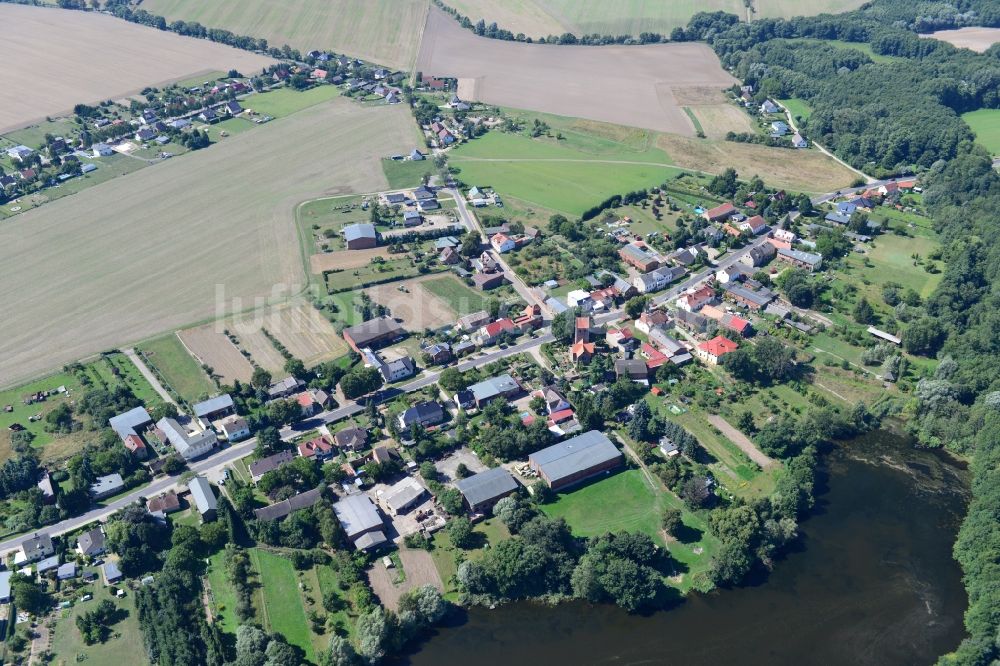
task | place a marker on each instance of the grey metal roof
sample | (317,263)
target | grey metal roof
(760,298)
(179,437)
(285,507)
(48,564)
(357,514)
(370,540)
(216,404)
(424,412)
(487,486)
(65,571)
(203,495)
(107,484)
(575,455)
(125,424)
(356,231)
(805,257)
(492,387)
(260,467)
(404,493)
(111,570)
(91,542)
(5,577)
(373,329)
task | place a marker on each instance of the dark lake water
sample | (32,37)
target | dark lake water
(872,581)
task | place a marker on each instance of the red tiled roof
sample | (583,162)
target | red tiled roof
(312,447)
(718,346)
(736,323)
(134,443)
(305,399)
(560,416)
(654,357)
(725,209)
(494,329)
(756,222)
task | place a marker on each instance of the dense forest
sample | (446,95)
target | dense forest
(902,115)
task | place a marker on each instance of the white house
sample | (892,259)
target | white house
(785,235)
(235,428)
(188,445)
(502,243)
(102,150)
(578,297)
(19,153)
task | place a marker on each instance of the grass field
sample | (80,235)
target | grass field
(223,593)
(282,607)
(124,647)
(985,124)
(838,44)
(460,298)
(53,446)
(383,31)
(406,173)
(177,369)
(797,107)
(444,553)
(799,170)
(540,18)
(132,58)
(212,230)
(286,101)
(636,506)
(567,178)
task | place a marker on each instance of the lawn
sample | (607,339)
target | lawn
(985,124)
(459,297)
(406,173)
(623,501)
(223,594)
(125,645)
(891,260)
(97,373)
(799,108)
(838,44)
(393,269)
(330,582)
(177,370)
(282,607)
(286,101)
(444,554)
(229,126)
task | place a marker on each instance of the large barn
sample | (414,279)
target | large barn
(576,459)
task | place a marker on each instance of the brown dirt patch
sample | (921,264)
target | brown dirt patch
(800,170)
(974,38)
(417,307)
(419,568)
(344,259)
(303,331)
(260,347)
(89,57)
(623,84)
(698,95)
(210,346)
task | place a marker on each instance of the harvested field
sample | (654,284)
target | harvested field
(188,240)
(799,170)
(304,332)
(699,95)
(540,18)
(427,311)
(628,85)
(210,346)
(383,31)
(89,57)
(344,259)
(974,38)
(260,347)
(718,120)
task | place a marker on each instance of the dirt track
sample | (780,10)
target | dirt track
(83,57)
(740,440)
(628,85)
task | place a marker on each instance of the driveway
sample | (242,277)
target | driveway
(741,440)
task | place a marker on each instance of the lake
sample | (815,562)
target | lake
(871,581)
